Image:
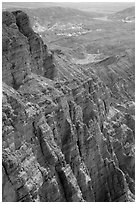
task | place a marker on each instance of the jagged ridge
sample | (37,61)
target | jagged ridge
(62,141)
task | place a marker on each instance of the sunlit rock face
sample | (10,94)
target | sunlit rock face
(63,141)
(23,50)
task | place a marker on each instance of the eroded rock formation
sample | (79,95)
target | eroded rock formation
(62,139)
(23,50)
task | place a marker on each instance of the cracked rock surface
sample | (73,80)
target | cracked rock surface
(63,140)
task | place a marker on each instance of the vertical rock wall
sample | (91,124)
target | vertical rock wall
(23,50)
(60,141)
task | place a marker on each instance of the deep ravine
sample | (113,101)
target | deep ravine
(63,139)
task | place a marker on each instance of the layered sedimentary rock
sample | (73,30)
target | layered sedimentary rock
(62,139)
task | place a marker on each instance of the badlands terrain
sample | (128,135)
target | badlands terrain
(68,105)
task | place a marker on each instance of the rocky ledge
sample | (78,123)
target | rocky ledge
(63,140)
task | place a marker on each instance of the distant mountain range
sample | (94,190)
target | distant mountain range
(99,7)
(126,14)
(53,13)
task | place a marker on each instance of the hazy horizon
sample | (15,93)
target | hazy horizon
(106,7)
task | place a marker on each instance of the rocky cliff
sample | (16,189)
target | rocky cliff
(63,140)
(23,50)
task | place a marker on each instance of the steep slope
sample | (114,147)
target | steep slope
(126,14)
(117,72)
(62,139)
(23,50)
